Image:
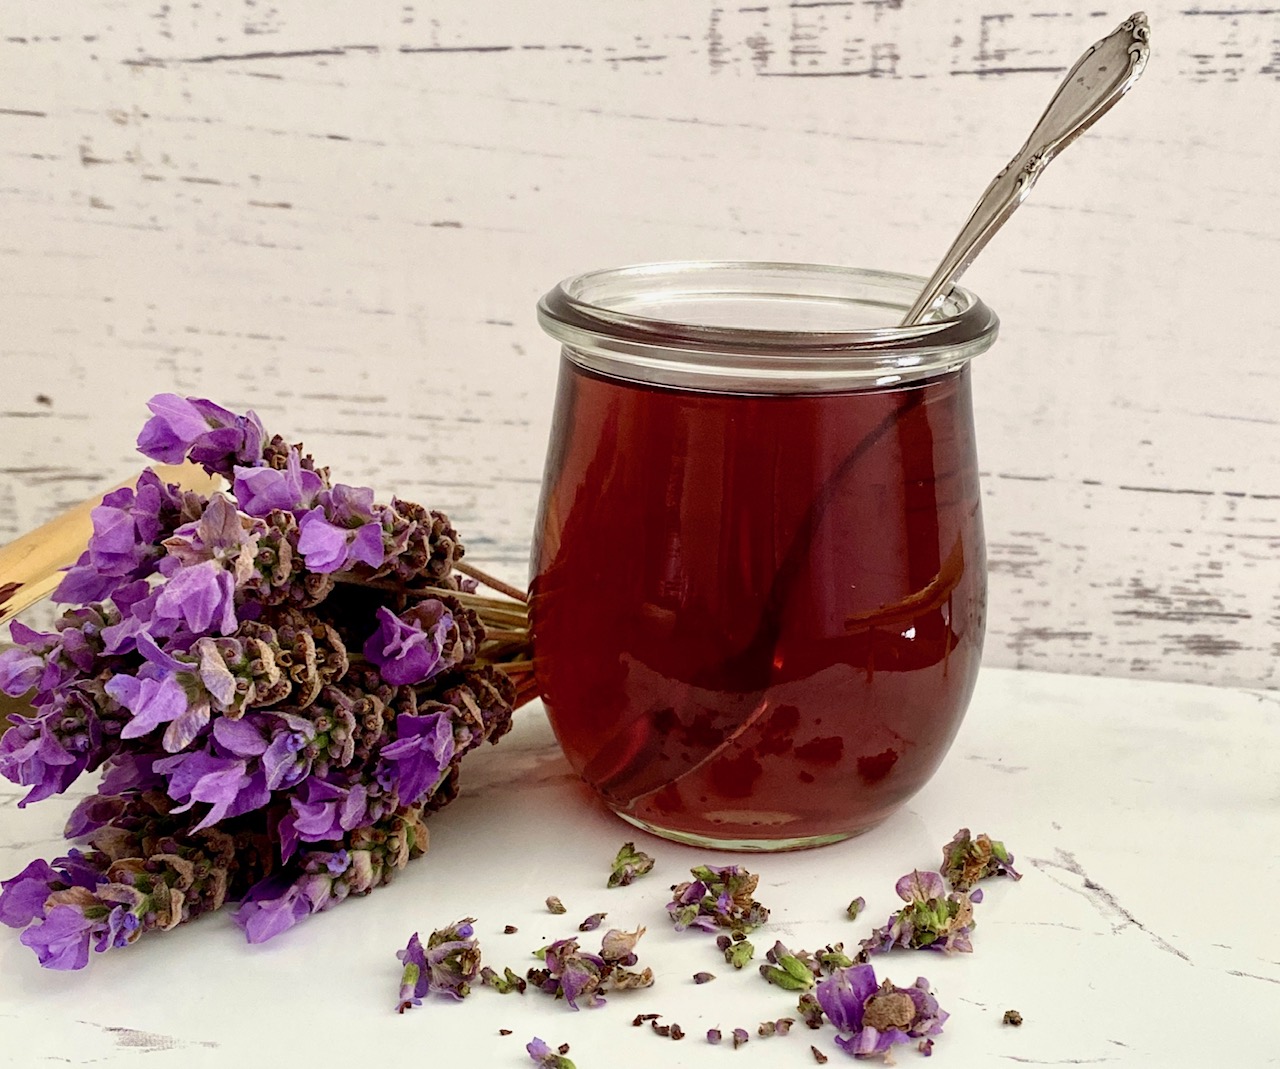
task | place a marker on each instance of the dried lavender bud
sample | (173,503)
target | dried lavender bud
(510,929)
(663,1030)
(619,947)
(818,1056)
(504,1031)
(783,1025)
(1012,1017)
(546,1058)
(789,970)
(717,897)
(833,957)
(627,980)
(452,959)
(925,1047)
(640,1018)
(966,860)
(931,918)
(703,977)
(714,1036)
(677,1032)
(592,922)
(629,865)
(809,1009)
(738,954)
(739,1037)
(564,1048)
(766,1029)
(505,983)
(554,905)
(723,942)
(855,907)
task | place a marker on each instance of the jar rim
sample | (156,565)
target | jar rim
(612,321)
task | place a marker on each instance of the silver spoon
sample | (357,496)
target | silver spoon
(1098,80)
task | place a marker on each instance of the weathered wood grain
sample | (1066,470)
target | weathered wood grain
(342,215)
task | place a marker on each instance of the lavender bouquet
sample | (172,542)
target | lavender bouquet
(277,682)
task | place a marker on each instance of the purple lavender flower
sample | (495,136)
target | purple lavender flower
(61,939)
(421,753)
(175,423)
(286,760)
(200,776)
(447,965)
(260,490)
(719,896)
(546,1058)
(202,597)
(32,755)
(272,907)
(212,436)
(324,811)
(877,1016)
(577,975)
(22,898)
(453,959)
(114,547)
(572,973)
(126,527)
(19,671)
(330,547)
(408,648)
(931,919)
(416,977)
(221,534)
(151,701)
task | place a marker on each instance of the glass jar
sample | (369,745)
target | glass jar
(758,583)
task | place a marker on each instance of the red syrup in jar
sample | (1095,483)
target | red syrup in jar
(758,618)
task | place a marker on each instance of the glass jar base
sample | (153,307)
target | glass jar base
(759,846)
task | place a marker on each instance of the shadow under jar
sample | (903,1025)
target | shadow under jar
(759,580)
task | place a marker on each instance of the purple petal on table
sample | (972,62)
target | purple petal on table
(844,993)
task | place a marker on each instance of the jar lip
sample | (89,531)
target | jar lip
(606,321)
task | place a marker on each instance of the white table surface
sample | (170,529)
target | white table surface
(1145,816)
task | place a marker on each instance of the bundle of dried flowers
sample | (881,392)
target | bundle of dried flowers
(278,682)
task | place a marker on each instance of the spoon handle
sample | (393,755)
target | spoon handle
(1099,79)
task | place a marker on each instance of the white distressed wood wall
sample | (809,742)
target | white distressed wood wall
(342,213)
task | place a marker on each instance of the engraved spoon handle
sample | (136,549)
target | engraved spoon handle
(1099,79)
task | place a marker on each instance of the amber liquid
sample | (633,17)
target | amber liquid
(758,619)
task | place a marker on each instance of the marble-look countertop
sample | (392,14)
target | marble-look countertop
(1145,816)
